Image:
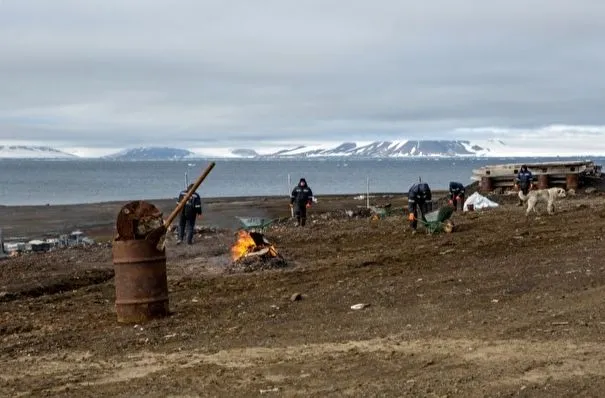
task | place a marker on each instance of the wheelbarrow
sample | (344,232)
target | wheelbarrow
(438,220)
(380,212)
(255,223)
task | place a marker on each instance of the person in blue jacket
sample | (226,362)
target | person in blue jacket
(456,195)
(419,198)
(524,181)
(192,210)
(300,200)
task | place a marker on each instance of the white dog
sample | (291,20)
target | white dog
(542,195)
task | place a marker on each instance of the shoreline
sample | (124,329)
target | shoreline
(218,199)
(97,220)
(213,200)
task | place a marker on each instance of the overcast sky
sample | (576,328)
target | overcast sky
(226,73)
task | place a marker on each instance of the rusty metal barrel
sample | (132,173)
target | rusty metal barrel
(139,261)
(571,181)
(486,184)
(140,281)
(543,181)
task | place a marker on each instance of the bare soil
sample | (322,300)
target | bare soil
(506,305)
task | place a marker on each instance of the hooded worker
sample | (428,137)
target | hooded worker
(419,198)
(456,194)
(524,181)
(191,210)
(301,199)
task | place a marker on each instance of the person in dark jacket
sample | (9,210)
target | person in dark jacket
(419,198)
(192,209)
(456,195)
(524,181)
(301,199)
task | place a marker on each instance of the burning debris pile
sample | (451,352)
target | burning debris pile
(253,252)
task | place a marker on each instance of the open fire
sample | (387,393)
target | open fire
(252,244)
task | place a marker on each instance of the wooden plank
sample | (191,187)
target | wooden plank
(510,172)
(542,164)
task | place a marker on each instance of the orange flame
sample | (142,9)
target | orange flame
(244,244)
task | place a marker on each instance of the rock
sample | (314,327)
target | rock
(296,297)
(590,190)
(571,192)
(269,390)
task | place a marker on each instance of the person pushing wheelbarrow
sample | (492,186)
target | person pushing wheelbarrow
(419,198)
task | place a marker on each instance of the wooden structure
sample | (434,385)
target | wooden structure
(569,175)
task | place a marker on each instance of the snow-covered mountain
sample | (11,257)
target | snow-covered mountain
(396,149)
(376,149)
(32,152)
(519,147)
(390,149)
(151,153)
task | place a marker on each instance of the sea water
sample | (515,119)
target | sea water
(40,182)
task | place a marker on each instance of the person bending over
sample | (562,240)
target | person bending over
(456,195)
(419,198)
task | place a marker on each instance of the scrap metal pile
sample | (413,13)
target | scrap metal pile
(140,220)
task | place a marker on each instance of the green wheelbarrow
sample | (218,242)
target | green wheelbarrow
(380,212)
(255,223)
(438,221)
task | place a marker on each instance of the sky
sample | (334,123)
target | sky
(97,75)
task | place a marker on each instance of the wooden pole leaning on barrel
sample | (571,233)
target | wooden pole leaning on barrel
(159,233)
(195,186)
(139,259)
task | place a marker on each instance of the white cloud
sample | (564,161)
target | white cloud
(223,73)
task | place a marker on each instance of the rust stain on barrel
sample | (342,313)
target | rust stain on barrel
(572,181)
(543,181)
(486,184)
(140,281)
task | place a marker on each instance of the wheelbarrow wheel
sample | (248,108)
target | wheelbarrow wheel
(448,226)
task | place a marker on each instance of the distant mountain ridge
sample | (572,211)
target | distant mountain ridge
(360,150)
(376,149)
(151,153)
(32,152)
(388,149)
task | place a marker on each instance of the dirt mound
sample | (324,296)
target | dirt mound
(57,284)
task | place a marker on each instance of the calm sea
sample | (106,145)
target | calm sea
(36,182)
